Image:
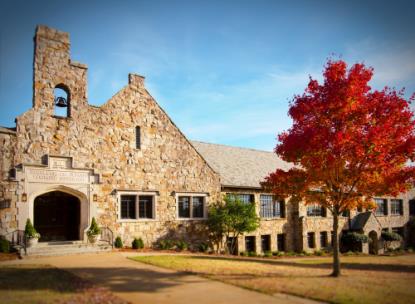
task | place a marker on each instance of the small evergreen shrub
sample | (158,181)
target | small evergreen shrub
(137,243)
(30,231)
(352,241)
(118,242)
(278,253)
(203,247)
(166,244)
(292,253)
(252,254)
(267,254)
(4,245)
(182,245)
(319,253)
(390,236)
(243,253)
(93,229)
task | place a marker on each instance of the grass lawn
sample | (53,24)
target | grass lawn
(45,284)
(365,279)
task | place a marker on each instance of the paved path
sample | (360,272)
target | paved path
(141,283)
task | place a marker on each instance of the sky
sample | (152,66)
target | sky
(224,71)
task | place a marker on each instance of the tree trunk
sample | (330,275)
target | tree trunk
(336,257)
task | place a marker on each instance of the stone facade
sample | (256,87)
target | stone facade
(92,154)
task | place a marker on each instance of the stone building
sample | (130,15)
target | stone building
(129,166)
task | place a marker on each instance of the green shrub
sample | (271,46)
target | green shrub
(137,243)
(267,254)
(182,245)
(93,229)
(291,253)
(30,231)
(243,253)
(166,244)
(319,253)
(118,242)
(203,247)
(4,245)
(278,253)
(252,254)
(390,236)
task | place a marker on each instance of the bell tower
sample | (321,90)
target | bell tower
(59,84)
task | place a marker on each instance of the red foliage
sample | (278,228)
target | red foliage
(348,143)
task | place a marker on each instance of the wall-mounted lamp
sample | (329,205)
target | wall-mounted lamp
(24,197)
(95,197)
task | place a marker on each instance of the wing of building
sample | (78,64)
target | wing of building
(127,165)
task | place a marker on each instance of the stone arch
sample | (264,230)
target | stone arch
(373,242)
(83,205)
(62,100)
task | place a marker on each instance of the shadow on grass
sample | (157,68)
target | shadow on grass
(40,278)
(69,280)
(353,266)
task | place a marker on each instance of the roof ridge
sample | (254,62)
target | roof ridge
(229,146)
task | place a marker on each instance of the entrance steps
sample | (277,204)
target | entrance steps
(65,248)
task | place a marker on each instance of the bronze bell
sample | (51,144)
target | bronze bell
(61,102)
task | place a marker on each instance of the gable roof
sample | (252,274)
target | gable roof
(360,220)
(240,167)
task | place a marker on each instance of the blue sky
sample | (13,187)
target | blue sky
(223,70)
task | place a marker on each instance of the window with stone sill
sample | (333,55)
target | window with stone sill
(396,207)
(316,210)
(311,240)
(191,206)
(137,206)
(243,197)
(381,206)
(271,208)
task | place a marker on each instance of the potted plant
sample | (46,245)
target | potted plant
(31,234)
(93,231)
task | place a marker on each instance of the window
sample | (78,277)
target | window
(396,207)
(412,207)
(190,206)
(137,206)
(265,243)
(250,244)
(381,206)
(137,137)
(316,210)
(281,242)
(311,240)
(270,208)
(323,239)
(244,198)
(61,101)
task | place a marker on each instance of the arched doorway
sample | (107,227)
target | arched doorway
(373,242)
(57,216)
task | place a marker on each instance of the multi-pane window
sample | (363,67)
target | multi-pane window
(396,207)
(137,137)
(412,207)
(270,208)
(311,240)
(191,206)
(265,243)
(244,198)
(128,207)
(316,210)
(137,207)
(323,239)
(381,206)
(250,244)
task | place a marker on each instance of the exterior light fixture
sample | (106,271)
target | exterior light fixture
(24,197)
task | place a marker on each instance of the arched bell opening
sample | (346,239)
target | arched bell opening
(62,101)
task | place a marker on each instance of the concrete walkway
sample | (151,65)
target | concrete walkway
(140,283)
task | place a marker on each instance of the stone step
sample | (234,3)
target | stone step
(43,249)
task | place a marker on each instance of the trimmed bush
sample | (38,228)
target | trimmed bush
(118,242)
(4,245)
(137,243)
(166,244)
(243,253)
(390,236)
(182,245)
(203,247)
(30,231)
(278,253)
(252,254)
(93,229)
(267,254)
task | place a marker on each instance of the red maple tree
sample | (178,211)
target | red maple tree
(348,143)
